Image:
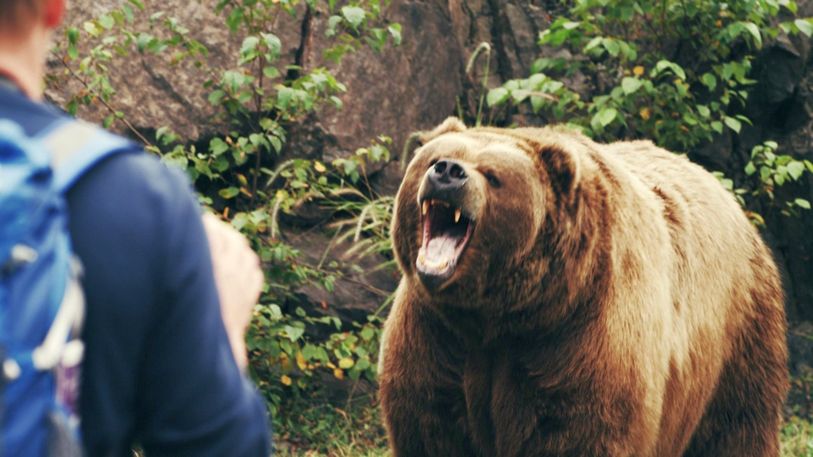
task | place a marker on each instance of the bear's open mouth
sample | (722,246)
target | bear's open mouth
(446,232)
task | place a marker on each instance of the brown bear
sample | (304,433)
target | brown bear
(562,297)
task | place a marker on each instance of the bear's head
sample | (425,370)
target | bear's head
(474,203)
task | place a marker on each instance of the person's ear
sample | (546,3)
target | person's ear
(53,12)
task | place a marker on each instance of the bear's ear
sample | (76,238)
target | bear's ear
(420,138)
(563,168)
(450,125)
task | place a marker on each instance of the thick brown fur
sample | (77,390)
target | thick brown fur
(613,301)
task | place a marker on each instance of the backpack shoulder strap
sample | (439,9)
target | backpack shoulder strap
(77,146)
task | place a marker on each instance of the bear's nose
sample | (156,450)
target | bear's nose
(447,175)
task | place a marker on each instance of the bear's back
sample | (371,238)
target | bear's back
(717,259)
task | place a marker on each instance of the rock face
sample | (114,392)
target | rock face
(418,84)
(151,92)
(782,110)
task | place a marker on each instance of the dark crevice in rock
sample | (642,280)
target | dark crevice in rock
(303,50)
(498,24)
(472,32)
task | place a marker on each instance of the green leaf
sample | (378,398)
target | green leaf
(804,26)
(354,15)
(217,146)
(664,65)
(249,44)
(233,80)
(332,24)
(537,103)
(294,333)
(606,116)
(755,33)
(107,22)
(750,169)
(765,173)
(143,40)
(717,126)
(630,85)
(592,44)
(733,124)
(367,333)
(273,43)
(612,47)
(270,72)
(796,169)
(497,96)
(395,33)
(73,35)
(519,95)
(234,19)
(216,96)
(91,28)
(284,96)
(276,143)
(709,80)
(221,164)
(802,203)
(229,192)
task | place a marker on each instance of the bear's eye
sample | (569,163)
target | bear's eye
(492,178)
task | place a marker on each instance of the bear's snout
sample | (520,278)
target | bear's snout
(447,175)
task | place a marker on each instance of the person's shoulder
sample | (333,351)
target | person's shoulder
(135,179)
(131,206)
(34,117)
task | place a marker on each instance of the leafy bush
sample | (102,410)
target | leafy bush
(675,71)
(242,174)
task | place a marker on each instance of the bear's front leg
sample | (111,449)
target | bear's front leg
(557,427)
(421,423)
(565,410)
(421,399)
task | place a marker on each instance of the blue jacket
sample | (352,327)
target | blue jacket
(158,367)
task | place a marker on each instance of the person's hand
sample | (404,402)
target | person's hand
(239,280)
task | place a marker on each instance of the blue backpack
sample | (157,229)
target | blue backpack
(41,300)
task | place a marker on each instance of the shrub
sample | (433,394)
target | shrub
(241,174)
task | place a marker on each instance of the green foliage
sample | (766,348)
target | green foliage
(770,170)
(249,178)
(670,70)
(797,438)
(674,71)
(316,428)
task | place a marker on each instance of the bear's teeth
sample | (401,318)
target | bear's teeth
(457,214)
(425,208)
(439,265)
(435,265)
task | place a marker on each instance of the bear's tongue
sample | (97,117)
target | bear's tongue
(441,250)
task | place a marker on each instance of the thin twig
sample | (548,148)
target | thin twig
(103,101)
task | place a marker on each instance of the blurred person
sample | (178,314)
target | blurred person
(164,356)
